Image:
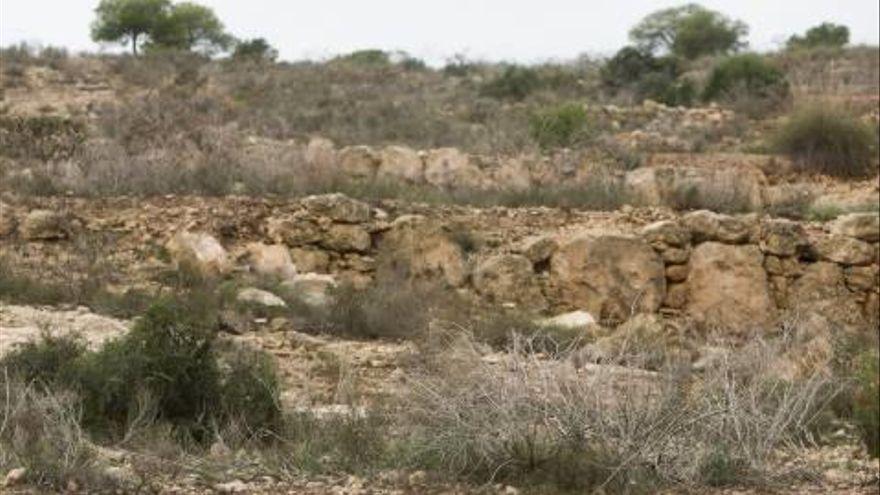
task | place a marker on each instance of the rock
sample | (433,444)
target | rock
(15,476)
(321,154)
(573,320)
(310,260)
(675,256)
(358,162)
(509,278)
(338,207)
(706,225)
(261,297)
(728,286)
(450,168)
(822,289)
(347,238)
(234,486)
(293,231)
(863,277)
(782,237)
(676,296)
(863,226)
(844,250)
(666,233)
(421,249)
(511,175)
(270,260)
(538,249)
(677,273)
(782,266)
(313,289)
(44,225)
(609,276)
(401,163)
(200,251)
(674,185)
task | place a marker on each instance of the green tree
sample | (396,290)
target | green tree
(255,49)
(689,31)
(190,26)
(126,21)
(826,34)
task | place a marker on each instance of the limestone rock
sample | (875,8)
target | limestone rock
(863,277)
(677,273)
(347,238)
(313,289)
(573,319)
(706,225)
(358,162)
(782,237)
(538,249)
(670,185)
(822,288)
(864,226)
(338,207)
(401,163)
(844,250)
(666,233)
(200,251)
(293,231)
(310,260)
(450,168)
(509,278)
(321,154)
(270,260)
(609,276)
(44,225)
(728,286)
(261,297)
(422,249)
(8,223)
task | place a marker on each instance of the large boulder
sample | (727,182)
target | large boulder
(358,162)
(450,168)
(728,286)
(44,225)
(509,278)
(419,248)
(338,207)
(270,260)
(401,164)
(200,251)
(609,276)
(864,226)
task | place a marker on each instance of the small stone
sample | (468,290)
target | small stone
(15,476)
(261,297)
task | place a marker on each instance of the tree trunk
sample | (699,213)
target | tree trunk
(134,47)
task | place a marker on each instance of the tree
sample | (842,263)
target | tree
(127,20)
(190,26)
(255,49)
(826,34)
(689,31)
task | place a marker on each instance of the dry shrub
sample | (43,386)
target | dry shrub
(39,431)
(828,140)
(541,421)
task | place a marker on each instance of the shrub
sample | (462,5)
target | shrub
(515,83)
(250,391)
(41,138)
(256,49)
(826,34)
(827,140)
(366,58)
(866,399)
(689,31)
(747,77)
(563,126)
(392,308)
(49,361)
(646,76)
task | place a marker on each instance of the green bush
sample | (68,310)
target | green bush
(827,140)
(866,400)
(51,360)
(746,78)
(366,58)
(646,76)
(515,83)
(250,390)
(825,35)
(560,127)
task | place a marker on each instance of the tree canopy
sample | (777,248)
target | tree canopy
(826,34)
(186,26)
(689,31)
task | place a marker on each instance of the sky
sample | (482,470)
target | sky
(495,30)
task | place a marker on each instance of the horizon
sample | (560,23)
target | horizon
(517,33)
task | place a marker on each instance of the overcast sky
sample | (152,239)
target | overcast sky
(512,30)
